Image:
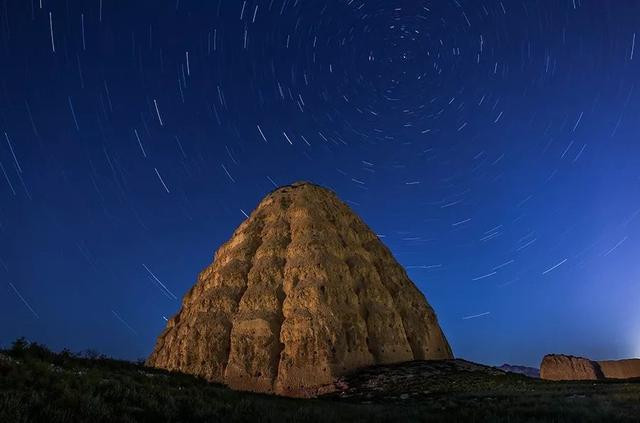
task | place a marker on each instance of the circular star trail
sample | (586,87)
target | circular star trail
(490,144)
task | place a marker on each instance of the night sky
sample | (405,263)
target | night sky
(492,145)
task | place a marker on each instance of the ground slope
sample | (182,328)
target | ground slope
(38,386)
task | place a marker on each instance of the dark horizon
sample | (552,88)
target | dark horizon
(491,145)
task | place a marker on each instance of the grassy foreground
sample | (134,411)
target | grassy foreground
(37,385)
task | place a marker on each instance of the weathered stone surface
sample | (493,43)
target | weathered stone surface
(620,369)
(563,367)
(303,292)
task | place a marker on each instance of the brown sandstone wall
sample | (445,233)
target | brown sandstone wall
(564,367)
(620,369)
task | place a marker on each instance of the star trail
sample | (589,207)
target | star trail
(492,145)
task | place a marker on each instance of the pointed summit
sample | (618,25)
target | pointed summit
(303,292)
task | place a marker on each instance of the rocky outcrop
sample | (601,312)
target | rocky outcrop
(564,367)
(303,292)
(620,369)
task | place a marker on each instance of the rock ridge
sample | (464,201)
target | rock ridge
(568,367)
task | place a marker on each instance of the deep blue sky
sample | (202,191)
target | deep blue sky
(494,146)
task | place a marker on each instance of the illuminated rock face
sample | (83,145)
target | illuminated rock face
(620,369)
(303,292)
(565,367)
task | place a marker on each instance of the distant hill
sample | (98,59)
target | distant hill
(523,370)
